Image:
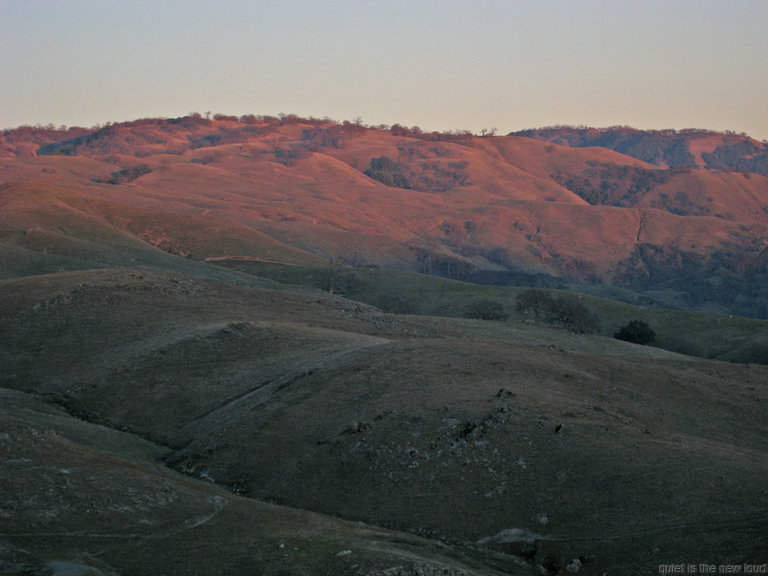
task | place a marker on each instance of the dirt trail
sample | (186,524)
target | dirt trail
(218,502)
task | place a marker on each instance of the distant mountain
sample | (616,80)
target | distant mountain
(680,217)
(704,149)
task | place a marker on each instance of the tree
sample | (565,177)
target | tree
(395,304)
(486,309)
(338,279)
(388,172)
(129,174)
(565,311)
(573,316)
(534,301)
(636,331)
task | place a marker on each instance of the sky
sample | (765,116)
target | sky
(439,65)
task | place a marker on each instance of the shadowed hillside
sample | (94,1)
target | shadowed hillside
(79,498)
(512,444)
(714,151)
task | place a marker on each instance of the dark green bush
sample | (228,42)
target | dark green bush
(388,172)
(564,312)
(573,316)
(129,174)
(395,304)
(636,331)
(536,302)
(486,309)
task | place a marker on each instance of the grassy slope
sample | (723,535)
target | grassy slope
(438,426)
(79,496)
(701,334)
(244,199)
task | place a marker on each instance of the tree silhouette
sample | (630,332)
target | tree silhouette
(636,331)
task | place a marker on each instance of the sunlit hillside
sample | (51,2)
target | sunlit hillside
(482,208)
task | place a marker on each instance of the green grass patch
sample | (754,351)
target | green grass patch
(703,334)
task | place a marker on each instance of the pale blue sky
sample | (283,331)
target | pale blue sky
(438,64)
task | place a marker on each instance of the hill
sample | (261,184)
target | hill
(490,209)
(504,446)
(80,498)
(247,345)
(701,149)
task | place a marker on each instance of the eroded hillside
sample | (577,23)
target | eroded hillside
(305,191)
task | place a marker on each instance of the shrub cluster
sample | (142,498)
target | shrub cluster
(129,174)
(636,331)
(395,304)
(486,309)
(611,184)
(388,172)
(562,311)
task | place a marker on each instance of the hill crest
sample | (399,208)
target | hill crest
(618,206)
(688,148)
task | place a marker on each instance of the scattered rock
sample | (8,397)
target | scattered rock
(574,566)
(548,559)
(62,568)
(515,541)
(357,428)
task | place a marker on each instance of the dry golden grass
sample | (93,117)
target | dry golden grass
(278,196)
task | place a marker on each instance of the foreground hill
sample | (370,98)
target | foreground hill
(518,447)
(79,498)
(495,209)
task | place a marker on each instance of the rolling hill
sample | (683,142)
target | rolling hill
(475,208)
(251,346)
(504,446)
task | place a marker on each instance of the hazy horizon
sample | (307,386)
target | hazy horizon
(440,65)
